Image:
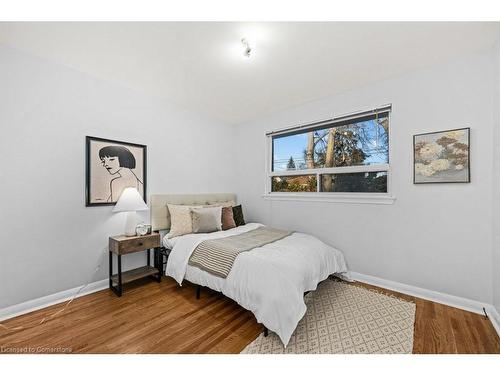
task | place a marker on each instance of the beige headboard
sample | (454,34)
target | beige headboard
(160,218)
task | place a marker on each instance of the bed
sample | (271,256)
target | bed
(270,280)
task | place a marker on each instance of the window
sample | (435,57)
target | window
(344,155)
(362,182)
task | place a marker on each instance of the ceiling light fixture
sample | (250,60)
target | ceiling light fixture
(248,45)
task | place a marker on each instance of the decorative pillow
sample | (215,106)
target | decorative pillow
(180,220)
(206,219)
(227,218)
(238,215)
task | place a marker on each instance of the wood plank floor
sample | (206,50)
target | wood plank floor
(165,318)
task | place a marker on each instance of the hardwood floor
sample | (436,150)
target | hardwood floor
(166,318)
(446,330)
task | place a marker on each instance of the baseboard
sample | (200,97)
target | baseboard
(443,298)
(494,318)
(40,303)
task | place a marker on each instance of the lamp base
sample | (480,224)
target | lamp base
(131,224)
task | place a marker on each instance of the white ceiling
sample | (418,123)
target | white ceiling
(200,66)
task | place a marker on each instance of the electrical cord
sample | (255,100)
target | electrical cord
(51,316)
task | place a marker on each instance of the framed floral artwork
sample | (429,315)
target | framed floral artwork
(112,166)
(442,156)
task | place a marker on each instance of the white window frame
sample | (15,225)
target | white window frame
(369,198)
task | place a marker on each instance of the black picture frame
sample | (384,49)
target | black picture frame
(443,182)
(88,141)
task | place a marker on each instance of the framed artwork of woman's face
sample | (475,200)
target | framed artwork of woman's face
(112,166)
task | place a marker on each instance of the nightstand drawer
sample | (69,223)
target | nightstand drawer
(123,245)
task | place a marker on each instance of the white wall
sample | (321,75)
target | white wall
(437,237)
(49,240)
(496,184)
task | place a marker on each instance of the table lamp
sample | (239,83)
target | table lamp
(130,201)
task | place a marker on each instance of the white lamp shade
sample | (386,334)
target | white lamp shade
(130,200)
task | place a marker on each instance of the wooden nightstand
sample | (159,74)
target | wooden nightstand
(121,245)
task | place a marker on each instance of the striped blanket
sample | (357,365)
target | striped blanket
(217,256)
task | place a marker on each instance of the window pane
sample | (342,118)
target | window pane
(305,183)
(289,152)
(357,143)
(364,182)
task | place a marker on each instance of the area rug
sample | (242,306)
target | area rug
(343,318)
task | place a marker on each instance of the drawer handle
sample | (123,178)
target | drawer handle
(140,244)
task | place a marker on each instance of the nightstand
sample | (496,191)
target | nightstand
(122,245)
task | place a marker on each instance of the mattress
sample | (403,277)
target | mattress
(270,280)
(194,274)
(168,243)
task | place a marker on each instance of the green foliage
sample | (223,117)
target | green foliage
(347,151)
(294,184)
(373,182)
(349,142)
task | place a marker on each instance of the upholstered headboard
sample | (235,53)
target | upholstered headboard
(160,218)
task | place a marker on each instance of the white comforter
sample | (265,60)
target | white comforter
(271,280)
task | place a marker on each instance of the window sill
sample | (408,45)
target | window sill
(356,198)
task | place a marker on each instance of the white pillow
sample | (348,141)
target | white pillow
(180,220)
(206,219)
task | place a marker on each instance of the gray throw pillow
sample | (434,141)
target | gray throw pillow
(207,219)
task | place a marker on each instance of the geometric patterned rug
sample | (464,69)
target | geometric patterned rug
(343,318)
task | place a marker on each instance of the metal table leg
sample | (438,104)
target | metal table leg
(110,270)
(158,263)
(120,286)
